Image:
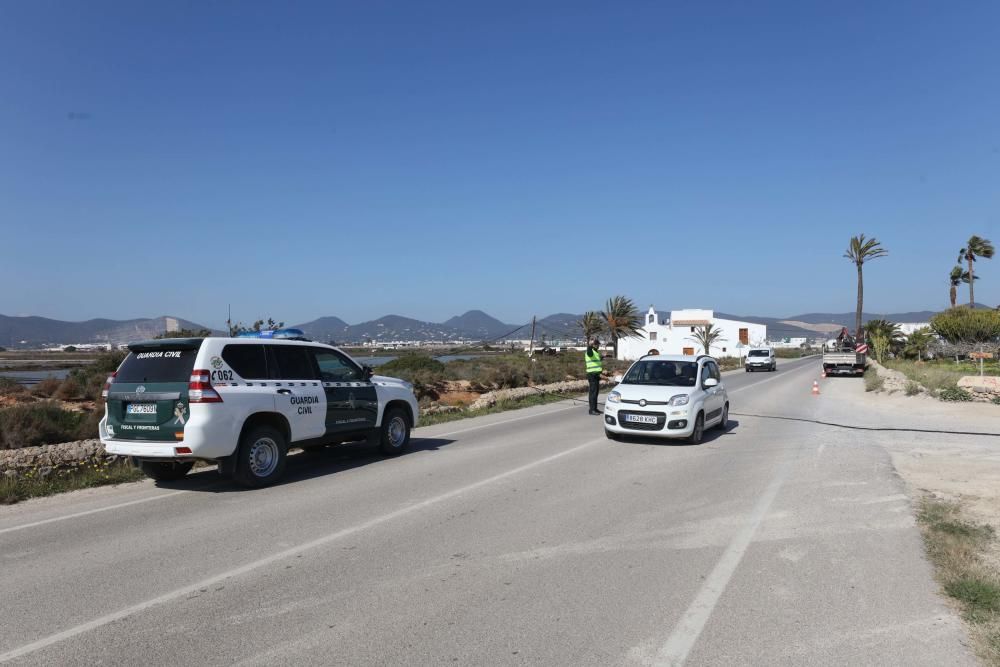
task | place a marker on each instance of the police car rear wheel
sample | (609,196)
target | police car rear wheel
(261,457)
(394,435)
(163,471)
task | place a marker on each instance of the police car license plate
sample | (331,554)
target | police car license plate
(641,419)
(140,409)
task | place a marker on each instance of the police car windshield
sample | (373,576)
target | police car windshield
(663,373)
(758,353)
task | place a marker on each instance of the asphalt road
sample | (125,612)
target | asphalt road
(518,538)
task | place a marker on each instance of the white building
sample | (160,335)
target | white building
(789,343)
(676,335)
(906,328)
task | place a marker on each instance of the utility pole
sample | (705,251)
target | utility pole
(531,347)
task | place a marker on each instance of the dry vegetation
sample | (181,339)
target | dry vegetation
(964,554)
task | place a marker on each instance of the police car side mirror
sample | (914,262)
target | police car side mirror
(709,383)
(619,378)
(367,372)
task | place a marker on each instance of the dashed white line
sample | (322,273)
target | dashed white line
(45,642)
(677,647)
(97,510)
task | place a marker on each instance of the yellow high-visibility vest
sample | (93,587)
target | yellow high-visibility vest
(594,364)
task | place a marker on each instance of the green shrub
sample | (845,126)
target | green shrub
(10,386)
(412,366)
(954,394)
(69,389)
(44,423)
(967,325)
(873,381)
(107,363)
(912,388)
(978,595)
(46,388)
(995,400)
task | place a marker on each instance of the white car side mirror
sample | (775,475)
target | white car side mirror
(709,383)
(618,378)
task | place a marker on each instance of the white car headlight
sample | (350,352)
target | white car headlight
(614,397)
(679,399)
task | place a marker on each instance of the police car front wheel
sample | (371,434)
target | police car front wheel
(261,457)
(393,436)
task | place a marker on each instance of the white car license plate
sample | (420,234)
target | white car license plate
(141,409)
(641,419)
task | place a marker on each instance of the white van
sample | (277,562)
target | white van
(761,359)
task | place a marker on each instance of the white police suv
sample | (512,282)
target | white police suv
(244,401)
(668,396)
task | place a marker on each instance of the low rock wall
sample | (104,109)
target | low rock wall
(491,398)
(984,388)
(46,458)
(892,381)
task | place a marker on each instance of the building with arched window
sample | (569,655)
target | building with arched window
(676,334)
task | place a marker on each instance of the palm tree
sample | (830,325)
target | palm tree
(859,251)
(884,336)
(707,335)
(918,343)
(621,320)
(975,247)
(591,323)
(957,277)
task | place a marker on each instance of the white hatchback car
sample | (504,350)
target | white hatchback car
(668,396)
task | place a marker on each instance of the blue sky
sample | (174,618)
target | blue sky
(307,159)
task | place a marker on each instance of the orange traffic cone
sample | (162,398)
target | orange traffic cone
(815,388)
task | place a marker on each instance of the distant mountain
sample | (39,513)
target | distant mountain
(822,324)
(776,327)
(473,326)
(479,325)
(325,328)
(847,319)
(43,332)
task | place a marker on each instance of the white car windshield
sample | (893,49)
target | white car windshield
(663,373)
(758,353)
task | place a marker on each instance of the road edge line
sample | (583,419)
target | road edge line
(101,621)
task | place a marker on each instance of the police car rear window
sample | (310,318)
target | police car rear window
(247,360)
(157,366)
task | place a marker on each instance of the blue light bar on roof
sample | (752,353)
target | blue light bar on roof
(278,334)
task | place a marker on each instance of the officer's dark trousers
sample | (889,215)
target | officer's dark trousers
(595,385)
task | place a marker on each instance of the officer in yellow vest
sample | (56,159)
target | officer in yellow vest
(594,368)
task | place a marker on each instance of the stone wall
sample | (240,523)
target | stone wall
(984,388)
(491,398)
(892,381)
(46,458)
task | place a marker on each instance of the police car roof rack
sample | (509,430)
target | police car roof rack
(276,334)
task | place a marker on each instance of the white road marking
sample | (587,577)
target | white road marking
(497,423)
(770,379)
(93,511)
(677,647)
(434,435)
(45,642)
(98,510)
